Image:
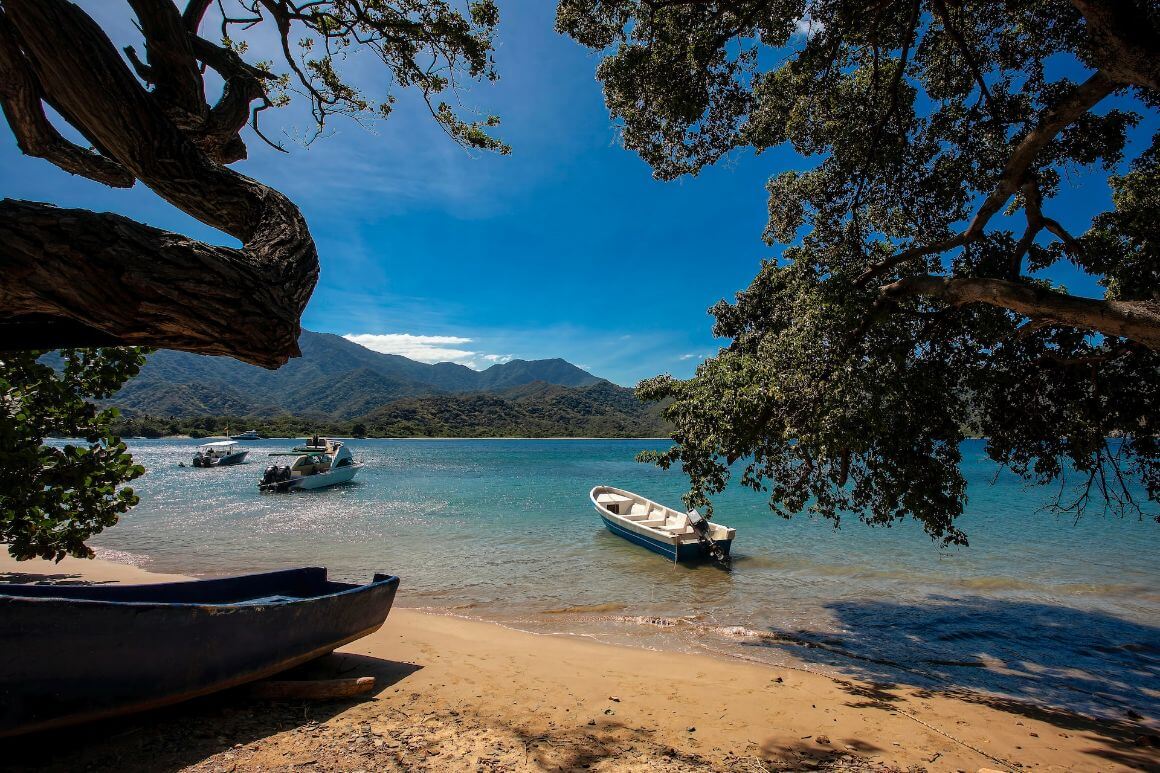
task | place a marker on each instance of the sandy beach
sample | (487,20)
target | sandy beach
(459,694)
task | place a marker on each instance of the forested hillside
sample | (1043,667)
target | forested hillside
(339,387)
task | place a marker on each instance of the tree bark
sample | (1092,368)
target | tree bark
(1124,39)
(1135,320)
(100,279)
(156,288)
(20,99)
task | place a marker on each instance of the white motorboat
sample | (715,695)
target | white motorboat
(680,536)
(250,434)
(318,464)
(219,454)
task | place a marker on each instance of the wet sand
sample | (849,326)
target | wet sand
(456,694)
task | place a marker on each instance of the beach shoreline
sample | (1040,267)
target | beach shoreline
(461,694)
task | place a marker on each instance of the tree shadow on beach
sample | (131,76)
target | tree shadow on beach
(1082,671)
(39,578)
(177,737)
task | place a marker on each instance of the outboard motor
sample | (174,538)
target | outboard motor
(701,528)
(275,479)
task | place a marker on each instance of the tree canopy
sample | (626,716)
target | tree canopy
(910,307)
(54,497)
(172,116)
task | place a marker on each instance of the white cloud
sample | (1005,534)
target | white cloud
(807,27)
(429,349)
(691,356)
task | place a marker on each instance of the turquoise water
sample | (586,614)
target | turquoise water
(1038,607)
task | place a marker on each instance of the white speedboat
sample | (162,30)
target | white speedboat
(219,454)
(318,464)
(680,536)
(250,434)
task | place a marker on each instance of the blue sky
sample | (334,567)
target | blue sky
(567,248)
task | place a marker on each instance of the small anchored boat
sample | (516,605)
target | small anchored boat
(679,536)
(318,464)
(250,434)
(79,653)
(219,454)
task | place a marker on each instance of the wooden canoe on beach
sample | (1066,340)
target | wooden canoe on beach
(71,654)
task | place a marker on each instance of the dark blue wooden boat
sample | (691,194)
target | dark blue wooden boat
(71,654)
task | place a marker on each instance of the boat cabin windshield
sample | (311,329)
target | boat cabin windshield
(310,464)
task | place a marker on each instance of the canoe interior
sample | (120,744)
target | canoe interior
(78,653)
(305,583)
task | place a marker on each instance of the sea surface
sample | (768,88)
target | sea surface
(1039,608)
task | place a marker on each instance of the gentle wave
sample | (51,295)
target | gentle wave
(585,609)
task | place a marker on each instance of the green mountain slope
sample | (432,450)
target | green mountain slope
(535,410)
(340,387)
(334,378)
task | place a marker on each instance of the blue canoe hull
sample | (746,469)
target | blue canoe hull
(72,654)
(687,551)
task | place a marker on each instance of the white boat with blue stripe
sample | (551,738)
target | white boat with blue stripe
(678,536)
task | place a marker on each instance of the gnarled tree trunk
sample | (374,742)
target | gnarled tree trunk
(73,277)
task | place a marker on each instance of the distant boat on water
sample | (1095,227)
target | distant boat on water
(219,454)
(318,464)
(679,536)
(250,434)
(80,653)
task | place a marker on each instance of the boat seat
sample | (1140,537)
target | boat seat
(653,522)
(632,517)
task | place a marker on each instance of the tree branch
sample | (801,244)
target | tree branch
(98,94)
(173,69)
(74,277)
(1135,320)
(20,99)
(1126,42)
(193,14)
(940,9)
(1051,121)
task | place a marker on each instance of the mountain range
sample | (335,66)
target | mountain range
(336,380)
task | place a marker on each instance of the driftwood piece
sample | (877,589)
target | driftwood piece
(316,690)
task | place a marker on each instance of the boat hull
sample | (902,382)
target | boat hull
(332,477)
(224,461)
(660,529)
(685,551)
(75,654)
(237,458)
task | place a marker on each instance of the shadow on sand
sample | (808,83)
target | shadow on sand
(39,578)
(177,737)
(1082,671)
